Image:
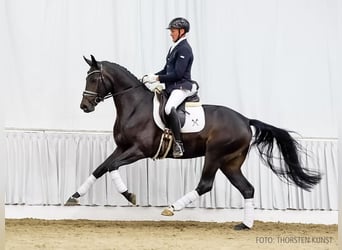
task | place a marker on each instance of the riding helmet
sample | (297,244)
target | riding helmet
(179,23)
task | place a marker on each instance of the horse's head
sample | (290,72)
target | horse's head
(96,88)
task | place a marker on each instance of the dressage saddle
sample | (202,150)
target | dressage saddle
(181,112)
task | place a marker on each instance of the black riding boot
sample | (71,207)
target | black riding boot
(176,127)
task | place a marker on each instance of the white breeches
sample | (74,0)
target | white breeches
(177,97)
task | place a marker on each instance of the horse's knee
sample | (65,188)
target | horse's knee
(204,187)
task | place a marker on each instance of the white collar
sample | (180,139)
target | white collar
(176,43)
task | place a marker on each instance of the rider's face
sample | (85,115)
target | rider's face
(176,34)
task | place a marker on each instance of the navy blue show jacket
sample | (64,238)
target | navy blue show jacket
(176,74)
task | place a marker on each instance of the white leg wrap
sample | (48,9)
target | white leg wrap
(120,186)
(185,200)
(248,219)
(83,189)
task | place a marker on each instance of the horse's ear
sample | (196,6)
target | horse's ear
(94,62)
(87,61)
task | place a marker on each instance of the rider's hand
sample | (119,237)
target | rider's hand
(150,78)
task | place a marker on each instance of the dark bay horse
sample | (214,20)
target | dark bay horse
(224,141)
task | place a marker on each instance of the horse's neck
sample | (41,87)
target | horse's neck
(138,99)
(122,79)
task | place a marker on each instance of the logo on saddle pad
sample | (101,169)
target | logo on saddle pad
(191,114)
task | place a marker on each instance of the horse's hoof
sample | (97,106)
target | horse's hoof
(132,199)
(241,226)
(72,202)
(167,212)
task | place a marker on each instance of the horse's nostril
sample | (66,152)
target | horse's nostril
(87,107)
(84,108)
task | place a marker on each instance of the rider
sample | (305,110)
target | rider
(176,75)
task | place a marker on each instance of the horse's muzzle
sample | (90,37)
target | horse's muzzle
(87,107)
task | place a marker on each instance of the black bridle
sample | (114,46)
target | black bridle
(97,96)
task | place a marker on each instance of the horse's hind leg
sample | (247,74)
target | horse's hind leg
(232,170)
(205,185)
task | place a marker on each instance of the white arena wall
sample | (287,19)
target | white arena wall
(275,61)
(46,167)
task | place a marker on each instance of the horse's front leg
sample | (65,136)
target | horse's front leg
(111,164)
(123,158)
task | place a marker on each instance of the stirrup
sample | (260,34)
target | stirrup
(178,149)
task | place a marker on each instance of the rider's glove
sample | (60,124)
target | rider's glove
(150,78)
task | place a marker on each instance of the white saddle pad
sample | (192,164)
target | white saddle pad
(194,118)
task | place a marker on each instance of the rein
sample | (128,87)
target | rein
(98,98)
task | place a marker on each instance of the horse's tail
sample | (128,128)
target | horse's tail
(292,171)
